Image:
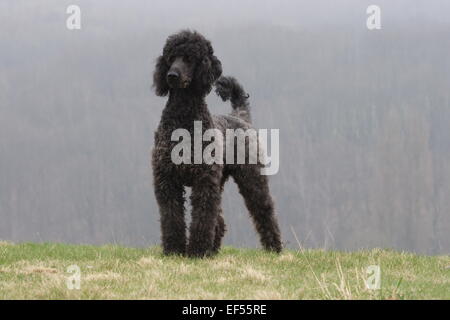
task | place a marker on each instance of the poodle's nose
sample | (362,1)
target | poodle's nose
(172,77)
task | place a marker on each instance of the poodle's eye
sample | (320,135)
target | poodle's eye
(205,60)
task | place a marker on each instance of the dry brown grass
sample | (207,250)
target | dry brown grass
(31,271)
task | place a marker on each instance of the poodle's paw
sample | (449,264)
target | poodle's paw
(199,252)
(174,251)
(274,246)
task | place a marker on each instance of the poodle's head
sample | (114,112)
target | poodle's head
(187,63)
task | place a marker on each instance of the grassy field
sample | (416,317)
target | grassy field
(40,271)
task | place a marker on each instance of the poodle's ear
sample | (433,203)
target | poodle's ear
(216,67)
(159,77)
(208,72)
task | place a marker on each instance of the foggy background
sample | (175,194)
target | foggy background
(364,118)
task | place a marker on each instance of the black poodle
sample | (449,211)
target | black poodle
(186,71)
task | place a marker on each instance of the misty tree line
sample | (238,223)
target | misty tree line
(363,118)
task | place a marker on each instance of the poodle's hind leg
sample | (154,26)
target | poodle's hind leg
(254,187)
(170,198)
(219,232)
(205,200)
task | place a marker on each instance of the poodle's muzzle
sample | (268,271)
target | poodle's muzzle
(179,75)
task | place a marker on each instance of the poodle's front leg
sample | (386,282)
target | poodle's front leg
(205,199)
(170,198)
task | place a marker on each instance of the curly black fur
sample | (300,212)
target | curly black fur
(184,106)
(229,89)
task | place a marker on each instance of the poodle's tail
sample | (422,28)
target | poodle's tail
(229,89)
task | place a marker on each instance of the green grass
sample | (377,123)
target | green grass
(39,271)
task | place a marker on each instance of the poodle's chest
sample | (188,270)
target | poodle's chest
(188,173)
(183,160)
(188,136)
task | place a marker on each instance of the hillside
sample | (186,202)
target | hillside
(40,271)
(362,116)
